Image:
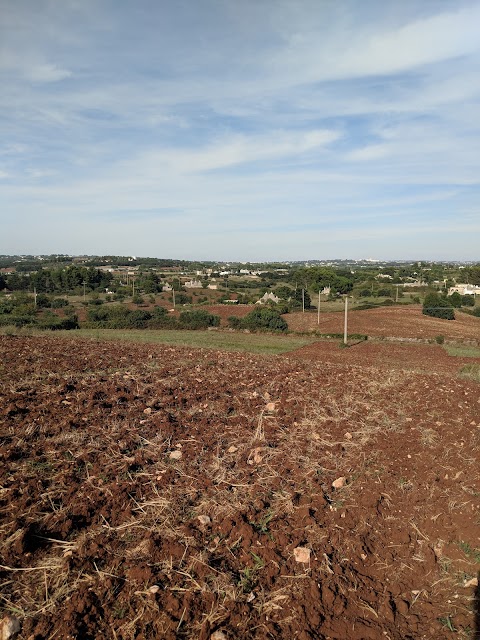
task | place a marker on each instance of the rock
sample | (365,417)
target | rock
(348,435)
(9,627)
(302,554)
(204,520)
(232,449)
(148,411)
(270,406)
(339,483)
(255,455)
(154,588)
(218,635)
(175,455)
(471,583)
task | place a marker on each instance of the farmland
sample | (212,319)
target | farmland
(153,490)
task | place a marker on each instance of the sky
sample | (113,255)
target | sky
(246,130)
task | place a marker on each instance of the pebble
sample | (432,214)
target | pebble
(218,635)
(339,483)
(175,455)
(9,627)
(302,554)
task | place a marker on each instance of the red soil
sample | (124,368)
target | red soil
(100,528)
(403,322)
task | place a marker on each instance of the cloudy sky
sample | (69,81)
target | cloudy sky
(240,129)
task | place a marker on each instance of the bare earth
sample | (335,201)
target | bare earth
(157,492)
(403,322)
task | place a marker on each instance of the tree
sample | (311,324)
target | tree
(455,299)
(264,318)
(438,307)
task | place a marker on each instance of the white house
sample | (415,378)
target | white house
(268,297)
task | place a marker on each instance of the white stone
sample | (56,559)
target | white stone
(9,627)
(339,483)
(302,554)
(154,588)
(175,455)
(471,583)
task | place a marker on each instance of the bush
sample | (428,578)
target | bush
(234,322)
(118,317)
(455,300)
(440,339)
(437,307)
(198,320)
(181,298)
(43,301)
(52,322)
(384,293)
(58,303)
(476,312)
(468,300)
(264,318)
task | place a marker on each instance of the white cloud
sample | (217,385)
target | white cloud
(371,152)
(280,114)
(46,73)
(241,149)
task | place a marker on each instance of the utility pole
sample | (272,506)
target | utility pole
(303,300)
(133,286)
(173,294)
(396,296)
(318,309)
(35,295)
(346,321)
(84,284)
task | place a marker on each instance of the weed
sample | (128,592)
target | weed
(119,611)
(446,622)
(405,485)
(473,554)
(470,371)
(262,525)
(248,576)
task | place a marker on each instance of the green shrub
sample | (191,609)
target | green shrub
(234,322)
(387,293)
(43,301)
(52,322)
(468,300)
(440,339)
(198,319)
(181,298)
(455,300)
(264,318)
(58,303)
(437,307)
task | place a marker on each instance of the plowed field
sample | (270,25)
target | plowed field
(403,322)
(164,492)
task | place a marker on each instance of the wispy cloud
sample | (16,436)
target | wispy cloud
(298,128)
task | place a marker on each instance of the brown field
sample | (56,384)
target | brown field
(151,491)
(403,322)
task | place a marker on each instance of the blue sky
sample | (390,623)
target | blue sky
(240,130)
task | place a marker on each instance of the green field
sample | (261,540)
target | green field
(224,340)
(462,351)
